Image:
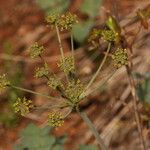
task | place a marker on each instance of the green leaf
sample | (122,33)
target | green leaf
(58,147)
(91,7)
(143,90)
(81,30)
(35,138)
(57,6)
(88,147)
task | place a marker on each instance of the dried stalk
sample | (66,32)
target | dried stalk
(135,106)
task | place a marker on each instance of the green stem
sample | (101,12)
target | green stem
(60,46)
(59,41)
(100,67)
(85,118)
(72,48)
(98,86)
(95,88)
(33,92)
(67,114)
(51,71)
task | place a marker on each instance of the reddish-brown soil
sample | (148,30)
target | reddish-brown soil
(22,23)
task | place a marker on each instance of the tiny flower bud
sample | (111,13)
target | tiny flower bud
(22,106)
(3,82)
(53,82)
(66,21)
(36,50)
(109,35)
(55,119)
(67,64)
(94,35)
(120,57)
(52,19)
(43,71)
(74,90)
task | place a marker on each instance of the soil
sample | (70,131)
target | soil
(21,24)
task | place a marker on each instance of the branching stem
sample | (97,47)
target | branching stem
(33,92)
(59,41)
(60,46)
(99,85)
(72,48)
(100,67)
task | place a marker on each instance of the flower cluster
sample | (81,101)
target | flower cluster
(120,57)
(66,64)
(43,71)
(109,35)
(64,21)
(74,90)
(105,34)
(95,34)
(94,37)
(36,50)
(53,82)
(3,82)
(23,106)
(55,119)
(52,19)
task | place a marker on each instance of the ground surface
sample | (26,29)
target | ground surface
(21,23)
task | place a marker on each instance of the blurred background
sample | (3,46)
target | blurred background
(22,22)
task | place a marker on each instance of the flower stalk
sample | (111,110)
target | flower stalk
(85,118)
(99,68)
(59,41)
(32,92)
(72,48)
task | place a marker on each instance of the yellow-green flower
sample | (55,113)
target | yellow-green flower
(36,50)
(53,82)
(43,71)
(67,64)
(23,106)
(94,35)
(3,82)
(74,90)
(66,21)
(120,57)
(52,19)
(55,119)
(109,35)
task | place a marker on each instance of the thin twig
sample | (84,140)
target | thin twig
(135,100)
(72,48)
(33,92)
(59,41)
(60,47)
(133,92)
(100,67)
(67,114)
(99,85)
